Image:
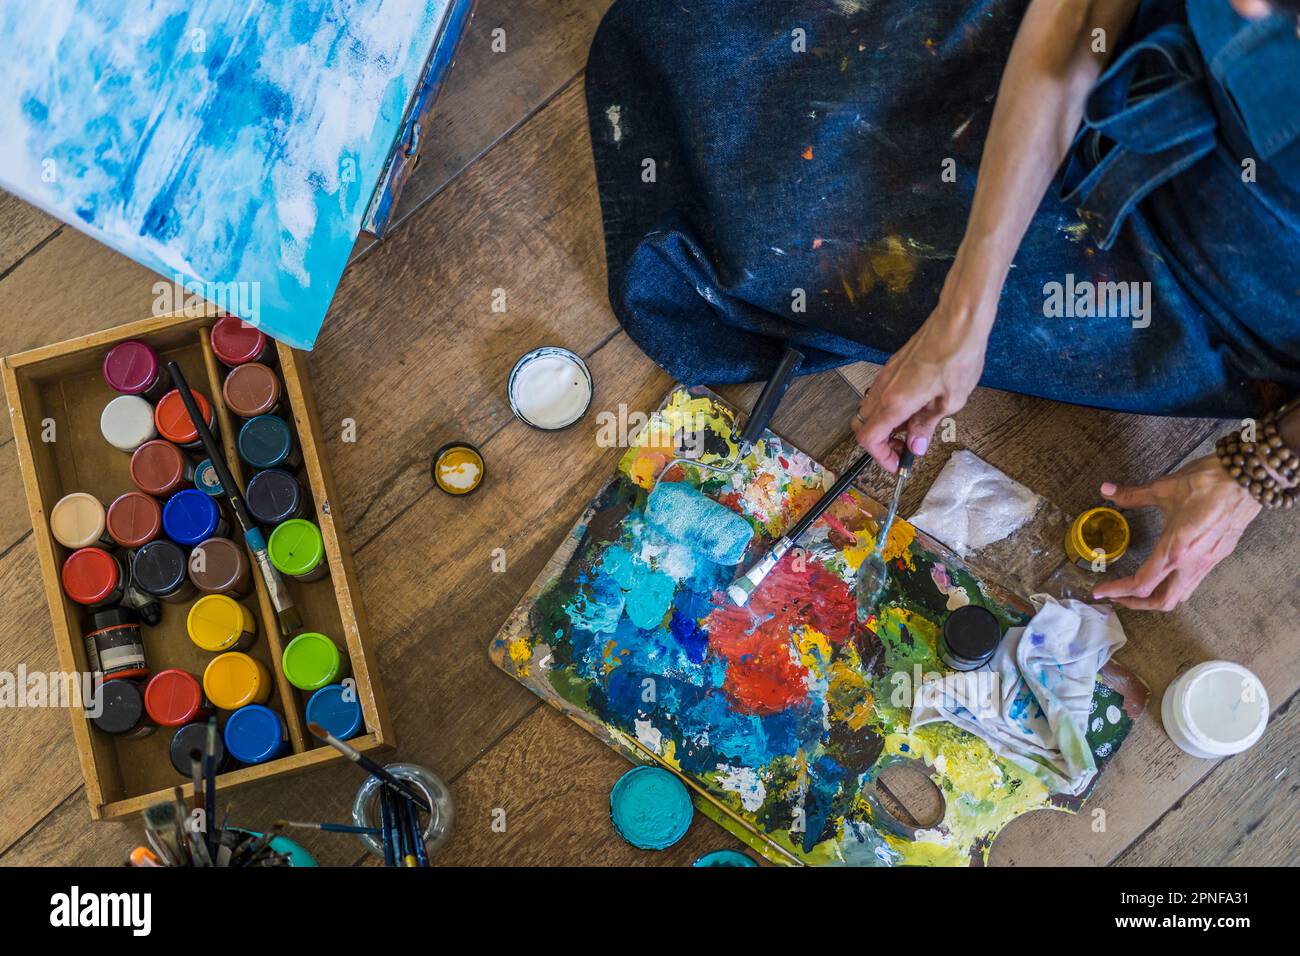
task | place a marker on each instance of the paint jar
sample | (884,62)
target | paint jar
(158,569)
(236,680)
(133,368)
(438,825)
(115,645)
(235,342)
(458,468)
(1097,539)
(1216,709)
(725,858)
(218,624)
(94,577)
(251,390)
(220,566)
(191,517)
(207,480)
(550,388)
(134,519)
(255,734)
(127,423)
(267,442)
(970,636)
(135,598)
(195,737)
(161,469)
(650,808)
(121,709)
(337,709)
(174,422)
(78,520)
(297,549)
(174,698)
(311,660)
(273,496)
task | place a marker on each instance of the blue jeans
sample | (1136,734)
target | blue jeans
(777,172)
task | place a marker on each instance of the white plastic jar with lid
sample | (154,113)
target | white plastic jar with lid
(1215,709)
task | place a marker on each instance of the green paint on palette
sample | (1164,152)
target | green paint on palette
(651,808)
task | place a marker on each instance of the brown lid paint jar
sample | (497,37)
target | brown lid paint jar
(161,469)
(220,566)
(252,389)
(235,342)
(78,521)
(134,519)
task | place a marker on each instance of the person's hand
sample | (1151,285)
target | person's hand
(1205,513)
(929,378)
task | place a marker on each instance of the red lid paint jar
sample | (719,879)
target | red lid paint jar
(133,368)
(220,566)
(78,521)
(115,645)
(161,469)
(235,342)
(252,389)
(267,442)
(159,570)
(174,422)
(273,496)
(127,423)
(94,577)
(134,519)
(117,708)
(195,737)
(174,698)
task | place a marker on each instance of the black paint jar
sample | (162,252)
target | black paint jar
(970,636)
(195,737)
(159,569)
(122,711)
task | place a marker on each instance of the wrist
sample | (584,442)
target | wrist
(973,285)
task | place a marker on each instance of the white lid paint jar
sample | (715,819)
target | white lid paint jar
(1214,710)
(127,422)
(550,388)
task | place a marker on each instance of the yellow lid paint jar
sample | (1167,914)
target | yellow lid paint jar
(236,680)
(1097,539)
(217,624)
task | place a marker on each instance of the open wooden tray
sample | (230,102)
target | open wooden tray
(60,390)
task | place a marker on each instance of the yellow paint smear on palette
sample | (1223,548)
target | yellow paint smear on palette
(458,468)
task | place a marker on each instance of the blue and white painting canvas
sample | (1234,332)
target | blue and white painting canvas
(232,146)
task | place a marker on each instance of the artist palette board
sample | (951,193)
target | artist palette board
(782,716)
(61,387)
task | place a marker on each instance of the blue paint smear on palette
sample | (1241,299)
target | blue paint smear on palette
(231,148)
(650,808)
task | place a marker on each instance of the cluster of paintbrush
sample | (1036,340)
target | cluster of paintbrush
(400,804)
(186,836)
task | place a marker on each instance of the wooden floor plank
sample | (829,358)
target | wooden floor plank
(1243,813)
(23,228)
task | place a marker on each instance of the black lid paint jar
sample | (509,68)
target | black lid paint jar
(119,705)
(195,737)
(970,636)
(159,569)
(273,496)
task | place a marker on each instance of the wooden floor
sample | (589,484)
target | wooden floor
(413,352)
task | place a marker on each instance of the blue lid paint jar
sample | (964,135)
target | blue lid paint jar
(191,517)
(267,442)
(255,734)
(337,709)
(273,496)
(651,809)
(207,480)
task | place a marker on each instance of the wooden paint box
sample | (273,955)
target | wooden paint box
(55,396)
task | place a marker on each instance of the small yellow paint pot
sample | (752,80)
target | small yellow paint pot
(1097,539)
(236,680)
(217,623)
(458,468)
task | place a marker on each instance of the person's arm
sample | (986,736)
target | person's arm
(1040,102)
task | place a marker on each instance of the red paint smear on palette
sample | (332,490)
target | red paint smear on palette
(764,673)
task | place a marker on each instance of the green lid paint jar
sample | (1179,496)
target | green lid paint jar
(312,660)
(297,549)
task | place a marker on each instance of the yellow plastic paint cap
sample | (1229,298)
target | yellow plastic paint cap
(1098,537)
(236,680)
(217,623)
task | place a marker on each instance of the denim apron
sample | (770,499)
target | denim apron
(776,172)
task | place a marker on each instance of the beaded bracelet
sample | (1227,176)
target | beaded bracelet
(1248,463)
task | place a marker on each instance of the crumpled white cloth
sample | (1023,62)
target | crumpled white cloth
(1031,702)
(972,504)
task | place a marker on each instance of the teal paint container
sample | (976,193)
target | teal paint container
(650,808)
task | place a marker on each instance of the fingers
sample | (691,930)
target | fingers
(873,436)
(1173,590)
(1144,582)
(921,426)
(1129,496)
